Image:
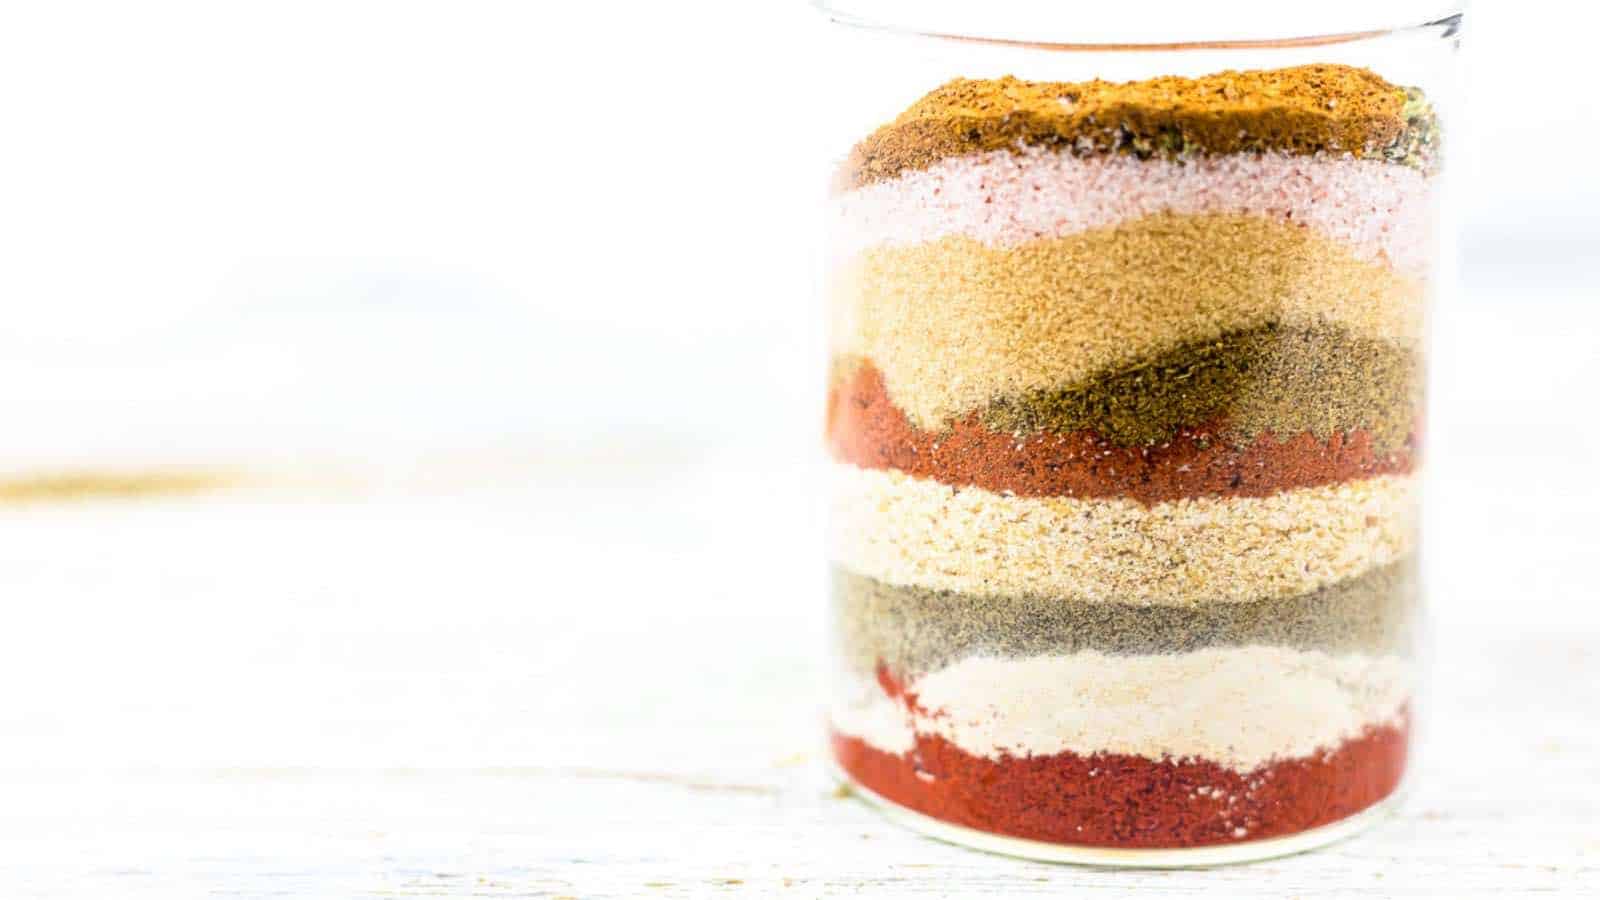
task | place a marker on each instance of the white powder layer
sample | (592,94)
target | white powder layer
(1384,212)
(1240,707)
(902,530)
(862,710)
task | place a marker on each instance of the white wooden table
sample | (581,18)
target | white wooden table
(399,696)
(557,679)
(711,803)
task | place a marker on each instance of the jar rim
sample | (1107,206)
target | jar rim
(1150,25)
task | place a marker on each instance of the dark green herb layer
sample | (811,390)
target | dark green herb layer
(1320,380)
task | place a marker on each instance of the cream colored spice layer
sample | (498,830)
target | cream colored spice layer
(910,531)
(954,323)
(1240,707)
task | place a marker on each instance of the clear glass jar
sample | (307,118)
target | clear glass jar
(1125,407)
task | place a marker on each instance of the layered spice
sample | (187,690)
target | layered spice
(1303,110)
(910,631)
(955,325)
(1216,456)
(1126,415)
(1116,800)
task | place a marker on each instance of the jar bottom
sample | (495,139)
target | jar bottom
(1125,858)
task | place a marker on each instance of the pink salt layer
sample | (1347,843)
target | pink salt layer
(1384,212)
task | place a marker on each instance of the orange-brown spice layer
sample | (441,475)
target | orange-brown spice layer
(1300,110)
(866,429)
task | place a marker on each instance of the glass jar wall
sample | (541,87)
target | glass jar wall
(1125,405)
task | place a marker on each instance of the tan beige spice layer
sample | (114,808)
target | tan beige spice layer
(954,324)
(909,531)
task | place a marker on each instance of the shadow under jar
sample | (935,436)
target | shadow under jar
(1127,355)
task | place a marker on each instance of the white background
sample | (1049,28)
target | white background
(516,300)
(458,224)
(361,234)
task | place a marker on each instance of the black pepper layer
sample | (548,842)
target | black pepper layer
(913,630)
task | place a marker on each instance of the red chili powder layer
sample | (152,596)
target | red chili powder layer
(866,429)
(1115,800)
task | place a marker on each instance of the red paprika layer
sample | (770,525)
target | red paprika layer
(1116,800)
(865,428)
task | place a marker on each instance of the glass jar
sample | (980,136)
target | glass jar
(1125,404)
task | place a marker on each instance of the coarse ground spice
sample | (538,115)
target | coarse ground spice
(1220,449)
(1317,379)
(865,429)
(1123,502)
(1303,110)
(908,631)
(912,531)
(954,324)
(1116,800)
